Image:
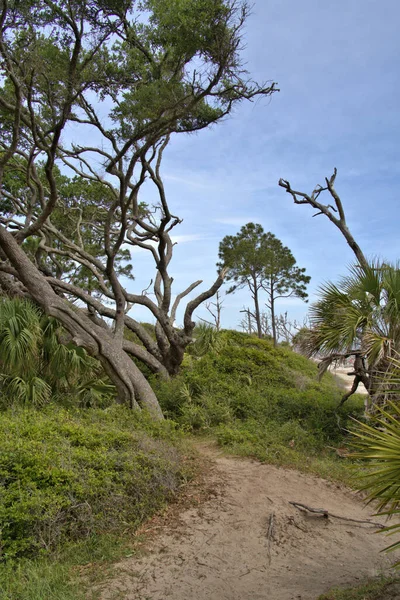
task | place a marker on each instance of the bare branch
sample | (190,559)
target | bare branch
(191,307)
(181,296)
(327,210)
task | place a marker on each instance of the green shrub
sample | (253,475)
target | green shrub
(66,475)
(249,379)
(262,401)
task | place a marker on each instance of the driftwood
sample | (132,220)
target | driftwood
(326,514)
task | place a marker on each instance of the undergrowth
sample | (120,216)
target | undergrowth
(73,483)
(265,402)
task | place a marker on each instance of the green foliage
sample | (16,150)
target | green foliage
(68,475)
(156,73)
(381,589)
(262,401)
(378,443)
(206,339)
(363,310)
(35,367)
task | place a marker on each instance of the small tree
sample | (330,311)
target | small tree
(259,261)
(243,255)
(282,278)
(359,317)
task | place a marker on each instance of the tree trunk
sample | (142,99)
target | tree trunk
(132,386)
(257,311)
(380,388)
(173,359)
(272,300)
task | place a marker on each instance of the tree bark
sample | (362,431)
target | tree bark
(132,386)
(273,324)
(257,310)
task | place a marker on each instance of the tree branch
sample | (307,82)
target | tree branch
(340,223)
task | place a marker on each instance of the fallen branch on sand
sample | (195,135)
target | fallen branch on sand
(270,534)
(326,514)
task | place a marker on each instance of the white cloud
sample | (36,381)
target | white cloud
(184,239)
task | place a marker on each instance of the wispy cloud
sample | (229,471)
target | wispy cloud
(184,239)
(328,114)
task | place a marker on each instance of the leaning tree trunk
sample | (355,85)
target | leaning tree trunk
(132,386)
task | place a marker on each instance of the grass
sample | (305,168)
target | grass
(381,589)
(66,576)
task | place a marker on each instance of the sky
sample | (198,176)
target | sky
(337,67)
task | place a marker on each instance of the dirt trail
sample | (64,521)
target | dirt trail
(247,542)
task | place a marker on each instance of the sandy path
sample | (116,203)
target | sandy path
(220,550)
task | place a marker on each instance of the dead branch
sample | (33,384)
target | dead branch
(328,210)
(193,304)
(215,309)
(326,514)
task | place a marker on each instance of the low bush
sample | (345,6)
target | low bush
(67,475)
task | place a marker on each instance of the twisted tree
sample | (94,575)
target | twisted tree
(90,93)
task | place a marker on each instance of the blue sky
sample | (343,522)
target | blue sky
(337,65)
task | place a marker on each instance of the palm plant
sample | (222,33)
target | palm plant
(359,317)
(207,339)
(378,442)
(35,366)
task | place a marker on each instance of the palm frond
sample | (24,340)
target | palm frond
(34,364)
